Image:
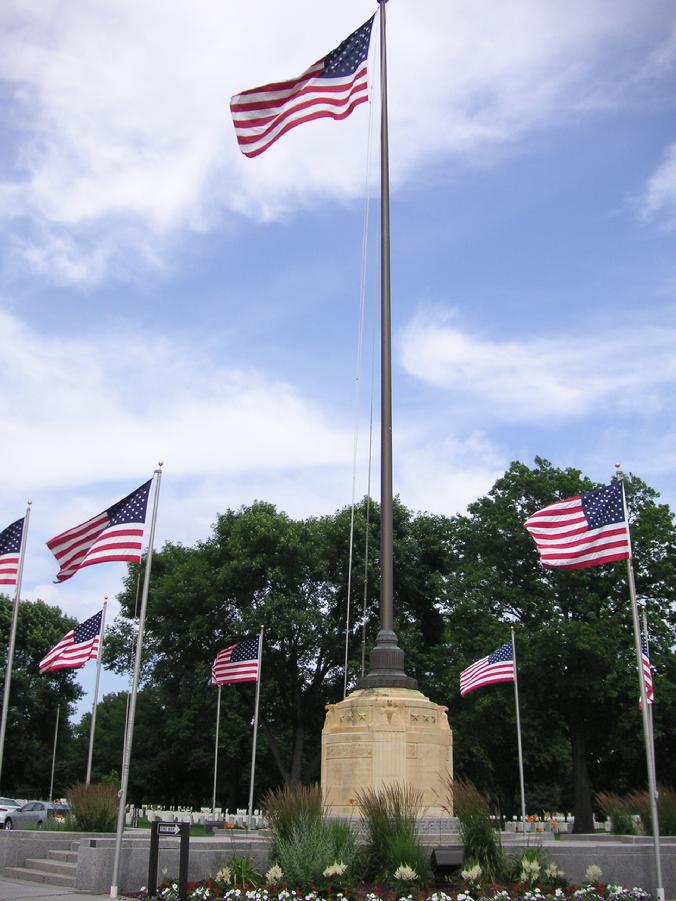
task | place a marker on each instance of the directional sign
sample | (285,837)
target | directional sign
(168,829)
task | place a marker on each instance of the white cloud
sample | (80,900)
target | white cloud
(121,127)
(659,198)
(542,379)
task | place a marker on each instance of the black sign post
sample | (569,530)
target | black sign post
(169,830)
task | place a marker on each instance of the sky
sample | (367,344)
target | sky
(163,297)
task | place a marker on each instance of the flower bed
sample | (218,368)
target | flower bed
(212,889)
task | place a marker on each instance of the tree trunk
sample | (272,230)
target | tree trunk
(584,815)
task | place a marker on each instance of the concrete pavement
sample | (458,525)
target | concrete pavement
(17,890)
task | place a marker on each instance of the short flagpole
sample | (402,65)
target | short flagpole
(218,720)
(255,734)
(518,735)
(12,637)
(56,735)
(650,761)
(122,802)
(96,693)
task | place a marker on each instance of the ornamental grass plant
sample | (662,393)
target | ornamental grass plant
(285,806)
(619,812)
(390,819)
(94,807)
(666,809)
(480,840)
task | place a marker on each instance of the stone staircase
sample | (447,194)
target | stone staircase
(58,868)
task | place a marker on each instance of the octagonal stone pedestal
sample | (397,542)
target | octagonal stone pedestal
(378,736)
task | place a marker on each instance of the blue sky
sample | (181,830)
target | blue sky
(162,297)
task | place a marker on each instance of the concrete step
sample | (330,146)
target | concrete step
(60,867)
(70,856)
(29,875)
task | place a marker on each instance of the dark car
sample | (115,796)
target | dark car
(34,814)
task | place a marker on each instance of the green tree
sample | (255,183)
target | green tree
(33,702)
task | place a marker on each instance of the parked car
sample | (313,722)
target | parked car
(6,805)
(34,814)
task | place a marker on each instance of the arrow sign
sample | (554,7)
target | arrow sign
(168,829)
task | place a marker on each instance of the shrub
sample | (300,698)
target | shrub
(390,817)
(666,808)
(241,872)
(94,807)
(480,840)
(619,812)
(312,847)
(286,805)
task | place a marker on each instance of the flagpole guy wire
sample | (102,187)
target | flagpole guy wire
(357,381)
(12,636)
(157,476)
(518,736)
(92,728)
(652,783)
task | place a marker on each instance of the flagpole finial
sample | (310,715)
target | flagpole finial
(618,471)
(160,463)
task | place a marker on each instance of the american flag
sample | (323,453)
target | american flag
(10,551)
(76,647)
(647,670)
(497,667)
(238,663)
(115,534)
(585,530)
(333,87)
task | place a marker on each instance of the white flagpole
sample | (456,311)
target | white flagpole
(255,734)
(218,720)
(12,636)
(652,784)
(96,693)
(122,802)
(56,735)
(518,735)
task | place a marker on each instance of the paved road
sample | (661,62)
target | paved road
(17,890)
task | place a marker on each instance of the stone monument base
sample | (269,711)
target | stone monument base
(381,736)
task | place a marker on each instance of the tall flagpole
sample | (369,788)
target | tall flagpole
(56,735)
(122,802)
(255,734)
(96,693)
(12,637)
(652,785)
(218,720)
(518,735)
(387,658)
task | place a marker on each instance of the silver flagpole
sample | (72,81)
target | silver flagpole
(255,735)
(218,720)
(518,735)
(96,693)
(157,476)
(652,786)
(12,637)
(56,735)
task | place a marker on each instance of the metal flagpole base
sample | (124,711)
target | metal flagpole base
(387,665)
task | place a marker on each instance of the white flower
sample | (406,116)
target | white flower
(471,874)
(274,874)
(224,874)
(594,873)
(336,869)
(405,873)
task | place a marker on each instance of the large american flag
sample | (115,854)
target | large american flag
(647,670)
(238,663)
(585,530)
(333,87)
(76,647)
(497,667)
(115,534)
(10,551)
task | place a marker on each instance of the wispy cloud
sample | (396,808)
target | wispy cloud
(659,197)
(542,379)
(120,128)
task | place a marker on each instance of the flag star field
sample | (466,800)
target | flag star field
(181,266)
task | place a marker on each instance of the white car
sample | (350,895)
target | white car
(7,805)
